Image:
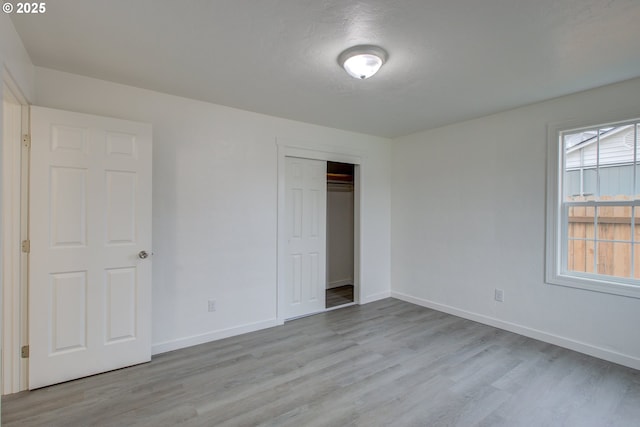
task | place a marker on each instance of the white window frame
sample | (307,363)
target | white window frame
(556,243)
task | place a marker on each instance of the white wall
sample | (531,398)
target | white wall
(14,58)
(468,216)
(215,204)
(339,238)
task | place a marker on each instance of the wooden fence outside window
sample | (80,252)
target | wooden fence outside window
(612,249)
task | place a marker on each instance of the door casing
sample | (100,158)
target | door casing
(15,169)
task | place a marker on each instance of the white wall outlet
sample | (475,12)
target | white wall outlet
(212,305)
(499,295)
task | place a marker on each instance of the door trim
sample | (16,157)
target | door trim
(327,153)
(15,166)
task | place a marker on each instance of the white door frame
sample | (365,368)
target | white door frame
(15,169)
(315,152)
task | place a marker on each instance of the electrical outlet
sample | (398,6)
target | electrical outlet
(212,305)
(499,295)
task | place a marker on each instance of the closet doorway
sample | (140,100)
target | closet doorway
(340,234)
(307,266)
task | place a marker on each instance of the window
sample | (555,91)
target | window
(593,236)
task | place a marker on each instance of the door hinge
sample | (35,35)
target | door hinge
(24,351)
(26,246)
(26,140)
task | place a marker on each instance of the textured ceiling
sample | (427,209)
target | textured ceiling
(449,60)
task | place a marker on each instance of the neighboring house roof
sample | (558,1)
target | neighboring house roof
(615,148)
(608,133)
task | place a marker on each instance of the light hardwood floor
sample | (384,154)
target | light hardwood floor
(388,363)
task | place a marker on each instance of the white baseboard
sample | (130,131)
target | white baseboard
(375,297)
(581,347)
(338,283)
(179,343)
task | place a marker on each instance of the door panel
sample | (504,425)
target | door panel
(305,205)
(121,207)
(120,293)
(68,312)
(90,215)
(68,213)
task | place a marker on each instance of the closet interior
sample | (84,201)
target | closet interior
(340,234)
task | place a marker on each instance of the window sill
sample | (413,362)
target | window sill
(595,284)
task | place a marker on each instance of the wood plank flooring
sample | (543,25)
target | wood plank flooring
(339,296)
(388,363)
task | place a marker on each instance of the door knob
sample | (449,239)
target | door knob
(143,254)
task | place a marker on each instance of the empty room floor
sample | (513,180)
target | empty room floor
(385,363)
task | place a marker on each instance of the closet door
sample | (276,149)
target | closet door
(306,211)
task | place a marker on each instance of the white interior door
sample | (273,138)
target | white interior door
(306,212)
(90,218)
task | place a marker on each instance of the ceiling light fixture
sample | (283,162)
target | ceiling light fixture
(362,61)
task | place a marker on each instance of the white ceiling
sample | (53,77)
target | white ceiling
(449,60)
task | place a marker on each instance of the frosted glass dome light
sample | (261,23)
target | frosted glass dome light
(363,61)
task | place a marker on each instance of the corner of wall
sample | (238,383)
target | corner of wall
(16,63)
